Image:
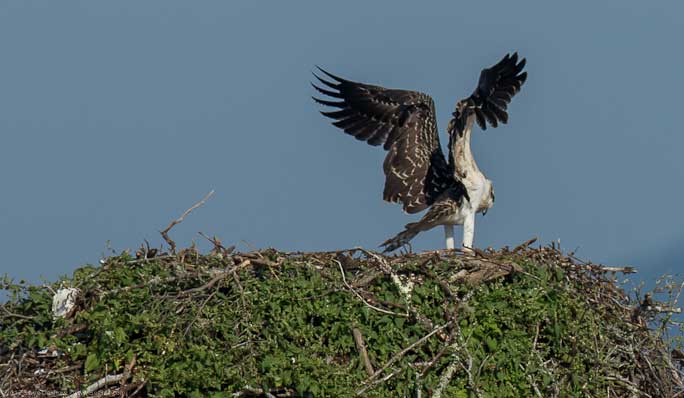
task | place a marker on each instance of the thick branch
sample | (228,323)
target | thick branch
(361,347)
(103,382)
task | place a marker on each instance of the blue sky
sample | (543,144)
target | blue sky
(117,116)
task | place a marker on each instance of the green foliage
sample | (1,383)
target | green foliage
(286,327)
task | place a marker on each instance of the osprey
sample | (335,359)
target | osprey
(416,171)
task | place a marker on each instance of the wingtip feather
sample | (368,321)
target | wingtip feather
(327,92)
(328,103)
(330,75)
(326,82)
(520,66)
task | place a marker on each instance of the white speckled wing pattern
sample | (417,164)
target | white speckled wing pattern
(416,172)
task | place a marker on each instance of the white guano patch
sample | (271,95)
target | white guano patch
(64,301)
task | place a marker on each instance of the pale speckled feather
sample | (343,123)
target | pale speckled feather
(403,121)
(416,172)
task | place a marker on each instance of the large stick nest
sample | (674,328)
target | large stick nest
(507,323)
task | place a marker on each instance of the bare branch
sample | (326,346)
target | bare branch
(126,374)
(524,245)
(404,288)
(199,312)
(445,379)
(218,277)
(137,390)
(344,280)
(400,355)
(13,315)
(165,232)
(218,246)
(662,308)
(361,347)
(103,382)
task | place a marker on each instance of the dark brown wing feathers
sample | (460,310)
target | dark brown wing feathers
(495,89)
(403,122)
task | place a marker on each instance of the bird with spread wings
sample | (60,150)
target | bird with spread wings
(417,174)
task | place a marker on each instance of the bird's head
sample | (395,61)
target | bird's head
(488,201)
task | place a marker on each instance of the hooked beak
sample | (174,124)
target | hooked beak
(484,212)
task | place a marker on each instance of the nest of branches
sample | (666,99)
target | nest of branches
(512,322)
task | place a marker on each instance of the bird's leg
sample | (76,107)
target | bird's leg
(468,231)
(449,235)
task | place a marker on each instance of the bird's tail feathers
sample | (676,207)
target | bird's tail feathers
(402,238)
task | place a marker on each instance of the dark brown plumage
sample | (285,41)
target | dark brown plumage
(497,85)
(403,122)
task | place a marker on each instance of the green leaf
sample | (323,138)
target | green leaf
(399,322)
(491,343)
(92,362)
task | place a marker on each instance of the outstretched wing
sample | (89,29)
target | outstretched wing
(497,85)
(404,123)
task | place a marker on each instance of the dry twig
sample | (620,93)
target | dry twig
(344,280)
(13,315)
(400,355)
(138,389)
(126,374)
(165,232)
(215,279)
(524,245)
